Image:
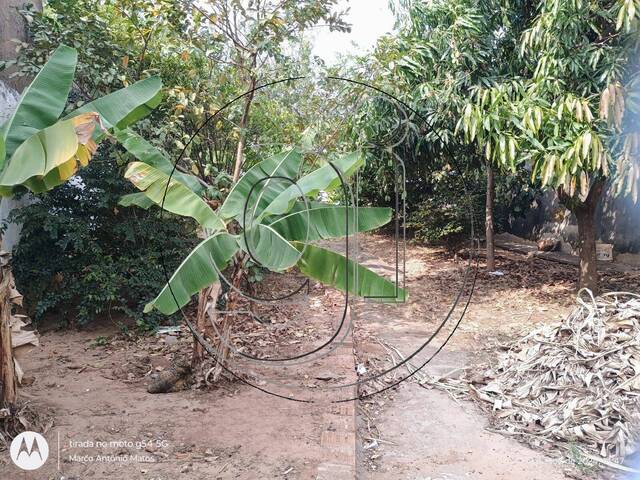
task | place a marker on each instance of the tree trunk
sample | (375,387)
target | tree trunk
(585,212)
(491,264)
(588,276)
(8,383)
(204,321)
(244,121)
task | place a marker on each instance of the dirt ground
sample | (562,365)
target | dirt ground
(414,433)
(92,383)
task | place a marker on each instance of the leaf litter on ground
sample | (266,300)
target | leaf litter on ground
(574,383)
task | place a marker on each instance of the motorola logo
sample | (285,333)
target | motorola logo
(29,450)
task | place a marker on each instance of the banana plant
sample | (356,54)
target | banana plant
(276,222)
(40,149)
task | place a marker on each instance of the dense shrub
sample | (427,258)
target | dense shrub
(80,255)
(447,213)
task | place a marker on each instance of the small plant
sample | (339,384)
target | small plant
(100,341)
(586,466)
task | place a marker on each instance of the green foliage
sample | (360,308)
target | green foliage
(435,221)
(120,42)
(445,215)
(274,234)
(442,51)
(44,152)
(100,341)
(40,151)
(81,256)
(564,112)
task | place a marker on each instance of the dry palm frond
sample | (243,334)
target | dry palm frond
(576,382)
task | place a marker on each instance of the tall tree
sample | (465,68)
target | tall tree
(572,115)
(443,51)
(256,32)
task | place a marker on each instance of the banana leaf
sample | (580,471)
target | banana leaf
(329,221)
(51,156)
(3,151)
(43,101)
(147,153)
(324,178)
(285,164)
(125,106)
(138,199)
(195,273)
(332,269)
(172,195)
(269,249)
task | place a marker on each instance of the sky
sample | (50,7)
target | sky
(369,19)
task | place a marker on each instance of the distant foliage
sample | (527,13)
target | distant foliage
(441,51)
(452,209)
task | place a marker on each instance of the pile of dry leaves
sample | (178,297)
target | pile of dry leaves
(576,382)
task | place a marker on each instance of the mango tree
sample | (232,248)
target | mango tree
(266,219)
(40,149)
(573,119)
(443,50)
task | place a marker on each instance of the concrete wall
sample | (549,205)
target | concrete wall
(8,101)
(617,221)
(12,26)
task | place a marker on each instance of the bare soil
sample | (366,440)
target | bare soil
(410,432)
(93,384)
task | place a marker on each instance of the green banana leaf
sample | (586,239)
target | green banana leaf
(324,178)
(332,269)
(285,164)
(3,151)
(138,199)
(43,101)
(269,249)
(51,156)
(147,153)
(329,221)
(175,198)
(195,273)
(125,106)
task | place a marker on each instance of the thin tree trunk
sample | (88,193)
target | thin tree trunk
(8,383)
(491,263)
(244,121)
